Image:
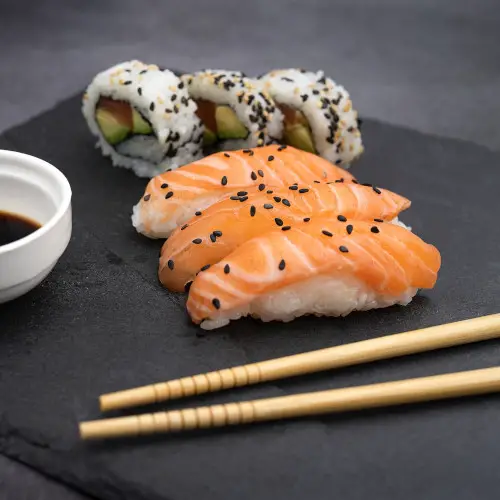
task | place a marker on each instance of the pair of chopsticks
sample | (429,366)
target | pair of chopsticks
(415,390)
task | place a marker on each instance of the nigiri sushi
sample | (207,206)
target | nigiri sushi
(326,267)
(225,225)
(174,197)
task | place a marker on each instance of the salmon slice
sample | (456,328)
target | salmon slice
(174,197)
(225,225)
(325,267)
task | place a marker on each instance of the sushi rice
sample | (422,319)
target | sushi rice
(162,100)
(254,107)
(327,106)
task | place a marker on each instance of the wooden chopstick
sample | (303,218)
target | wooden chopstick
(391,346)
(415,390)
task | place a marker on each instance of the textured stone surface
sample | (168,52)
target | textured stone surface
(101,322)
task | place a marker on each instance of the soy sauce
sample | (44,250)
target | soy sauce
(13,227)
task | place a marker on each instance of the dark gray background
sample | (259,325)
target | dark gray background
(432,65)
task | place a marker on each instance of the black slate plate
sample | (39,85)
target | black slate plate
(101,322)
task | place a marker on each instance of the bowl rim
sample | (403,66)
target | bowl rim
(35,162)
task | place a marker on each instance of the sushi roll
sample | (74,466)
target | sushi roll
(319,268)
(172,198)
(235,113)
(143,118)
(224,226)
(318,114)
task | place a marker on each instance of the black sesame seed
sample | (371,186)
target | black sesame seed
(197,241)
(281,148)
(286,228)
(128,82)
(282,264)
(354,181)
(252,211)
(251,153)
(169,195)
(349,228)
(164,185)
(181,85)
(367,184)
(147,197)
(247,151)
(327,233)
(286,202)
(350,129)
(341,218)
(218,233)
(327,116)
(277,199)
(307,219)
(184,101)
(378,220)
(278,221)
(139,90)
(330,140)
(167,110)
(317,182)
(262,187)
(293,188)
(173,97)
(143,71)
(322,80)
(152,106)
(235,198)
(223,181)
(216,303)
(242,193)
(316,92)
(227,269)
(340,180)
(212,238)
(304,190)
(205,267)
(286,79)
(170,264)
(377,190)
(243,198)
(343,249)
(250,99)
(187,286)
(270,191)
(197,214)
(270,158)
(375,229)
(184,227)
(253,175)
(304,97)
(260,172)
(267,206)
(338,162)
(227,155)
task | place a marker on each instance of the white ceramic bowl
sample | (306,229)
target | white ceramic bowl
(33,188)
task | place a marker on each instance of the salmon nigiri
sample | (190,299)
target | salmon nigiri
(225,225)
(325,267)
(174,197)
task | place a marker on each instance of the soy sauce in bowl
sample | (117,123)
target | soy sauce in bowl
(13,227)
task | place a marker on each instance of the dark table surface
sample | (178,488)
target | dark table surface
(443,82)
